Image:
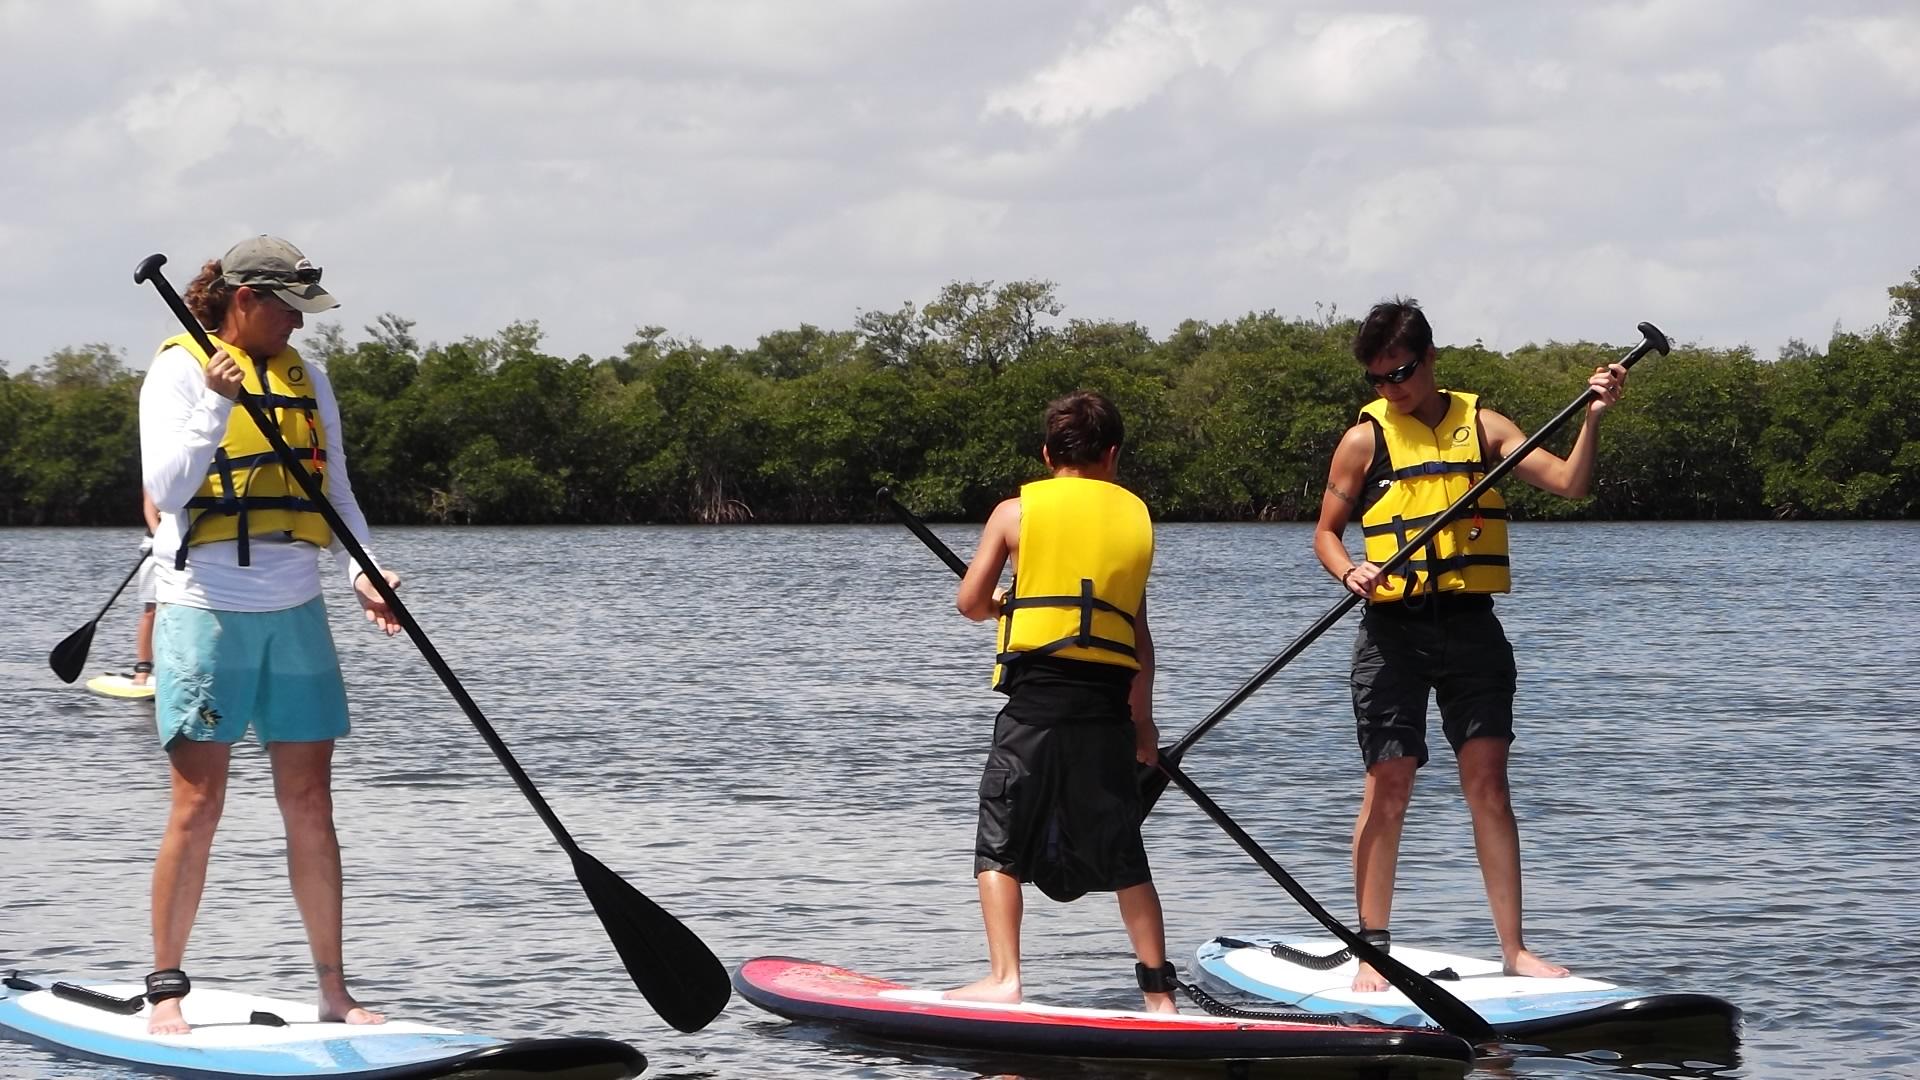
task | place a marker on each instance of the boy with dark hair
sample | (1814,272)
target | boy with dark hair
(1060,798)
(1431,628)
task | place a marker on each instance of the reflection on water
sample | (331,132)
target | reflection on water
(776,734)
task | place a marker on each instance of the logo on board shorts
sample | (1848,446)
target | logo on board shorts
(1460,434)
(298,374)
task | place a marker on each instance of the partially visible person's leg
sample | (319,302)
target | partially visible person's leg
(143,648)
(143,635)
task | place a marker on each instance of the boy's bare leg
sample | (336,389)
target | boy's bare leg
(1000,909)
(1146,928)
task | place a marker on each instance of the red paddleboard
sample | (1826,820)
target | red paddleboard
(822,993)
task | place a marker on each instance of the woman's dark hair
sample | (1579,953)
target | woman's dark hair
(1393,324)
(208,296)
(1080,429)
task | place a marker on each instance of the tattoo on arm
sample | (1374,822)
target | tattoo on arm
(325,970)
(1334,489)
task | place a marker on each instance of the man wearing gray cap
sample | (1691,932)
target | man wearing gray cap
(241,635)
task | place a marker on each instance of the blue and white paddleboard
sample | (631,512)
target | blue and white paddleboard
(235,1035)
(1515,1005)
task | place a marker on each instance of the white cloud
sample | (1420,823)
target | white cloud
(726,169)
(1814,190)
(1148,47)
(183,123)
(1339,65)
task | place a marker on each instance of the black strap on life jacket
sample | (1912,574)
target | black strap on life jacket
(238,505)
(1085,602)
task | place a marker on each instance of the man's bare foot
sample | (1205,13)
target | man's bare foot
(1160,1003)
(989,989)
(1525,963)
(345,1010)
(166,1019)
(1369,981)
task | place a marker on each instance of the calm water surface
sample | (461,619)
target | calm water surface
(776,734)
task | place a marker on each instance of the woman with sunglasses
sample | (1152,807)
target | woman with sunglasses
(241,634)
(1430,628)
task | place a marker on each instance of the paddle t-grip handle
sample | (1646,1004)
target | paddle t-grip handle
(1654,341)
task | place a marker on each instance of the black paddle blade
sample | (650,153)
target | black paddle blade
(69,658)
(680,977)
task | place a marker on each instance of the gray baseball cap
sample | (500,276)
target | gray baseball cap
(268,262)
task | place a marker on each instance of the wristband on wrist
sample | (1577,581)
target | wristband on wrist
(1349,573)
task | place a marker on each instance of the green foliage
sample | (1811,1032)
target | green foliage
(1843,436)
(1232,420)
(70,440)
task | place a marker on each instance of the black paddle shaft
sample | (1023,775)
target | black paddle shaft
(679,1003)
(919,529)
(1652,340)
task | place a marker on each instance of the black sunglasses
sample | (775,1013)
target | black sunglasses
(300,275)
(1397,375)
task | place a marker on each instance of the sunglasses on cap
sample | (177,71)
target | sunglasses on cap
(299,275)
(1397,375)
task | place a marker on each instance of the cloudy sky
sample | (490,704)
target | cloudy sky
(1736,172)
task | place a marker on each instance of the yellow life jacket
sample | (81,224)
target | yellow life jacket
(248,491)
(1417,472)
(1085,549)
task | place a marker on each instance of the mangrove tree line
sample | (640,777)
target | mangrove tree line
(1229,420)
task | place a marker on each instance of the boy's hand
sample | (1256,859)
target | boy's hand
(1146,743)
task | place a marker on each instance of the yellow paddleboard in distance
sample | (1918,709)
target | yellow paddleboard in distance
(115,685)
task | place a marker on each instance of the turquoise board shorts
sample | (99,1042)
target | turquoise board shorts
(218,671)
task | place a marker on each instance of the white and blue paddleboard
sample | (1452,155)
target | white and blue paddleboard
(239,1035)
(1515,1005)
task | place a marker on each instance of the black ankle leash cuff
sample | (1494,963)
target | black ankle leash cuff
(1161,980)
(166,984)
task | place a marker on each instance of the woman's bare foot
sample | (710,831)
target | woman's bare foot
(341,1009)
(989,989)
(1525,963)
(166,1019)
(1369,981)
